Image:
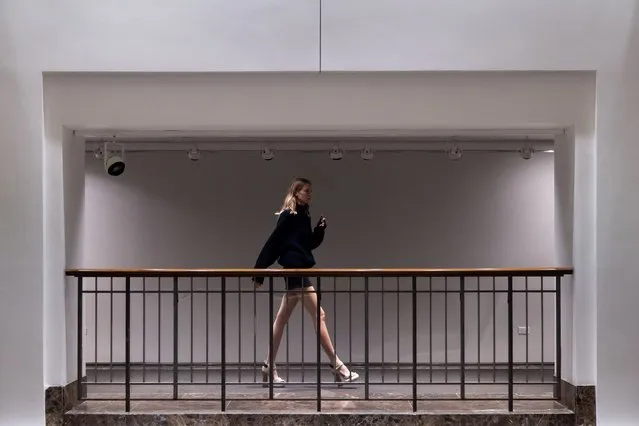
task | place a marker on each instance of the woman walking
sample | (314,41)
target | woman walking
(291,243)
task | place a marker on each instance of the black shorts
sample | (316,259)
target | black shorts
(295,283)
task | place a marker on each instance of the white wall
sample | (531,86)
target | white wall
(399,210)
(618,233)
(409,101)
(456,34)
(21,252)
(202,36)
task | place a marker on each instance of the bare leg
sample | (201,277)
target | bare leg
(289,301)
(311,305)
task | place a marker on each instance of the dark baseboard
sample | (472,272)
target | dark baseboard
(60,399)
(581,400)
(343,419)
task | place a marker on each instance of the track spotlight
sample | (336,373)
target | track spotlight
(267,153)
(455,152)
(526,152)
(367,154)
(336,153)
(113,161)
(194,154)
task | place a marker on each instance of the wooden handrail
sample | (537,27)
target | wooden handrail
(342,272)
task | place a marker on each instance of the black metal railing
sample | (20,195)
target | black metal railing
(412,334)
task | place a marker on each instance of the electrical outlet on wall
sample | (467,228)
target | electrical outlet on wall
(522,331)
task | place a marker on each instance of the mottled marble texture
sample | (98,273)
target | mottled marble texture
(54,405)
(321,419)
(580,399)
(58,400)
(290,403)
(286,409)
(286,412)
(585,406)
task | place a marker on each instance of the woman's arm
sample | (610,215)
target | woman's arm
(318,232)
(272,248)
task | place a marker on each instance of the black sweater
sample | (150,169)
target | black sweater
(291,242)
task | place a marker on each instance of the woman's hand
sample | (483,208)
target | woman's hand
(321,223)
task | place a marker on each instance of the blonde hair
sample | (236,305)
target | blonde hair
(290,200)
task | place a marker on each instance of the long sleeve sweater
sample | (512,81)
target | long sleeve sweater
(291,243)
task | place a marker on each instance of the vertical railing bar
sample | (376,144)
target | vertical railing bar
(494,330)
(510,343)
(414,339)
(445,329)
(191,330)
(318,344)
(288,370)
(558,336)
(543,370)
(223,344)
(366,342)
(159,329)
(176,301)
(430,328)
(95,320)
(383,296)
(143,329)
(255,333)
(207,329)
(478,330)
(239,329)
(127,349)
(111,332)
(80,336)
(462,342)
(303,348)
(350,320)
(527,330)
(335,313)
(271,358)
(397,310)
